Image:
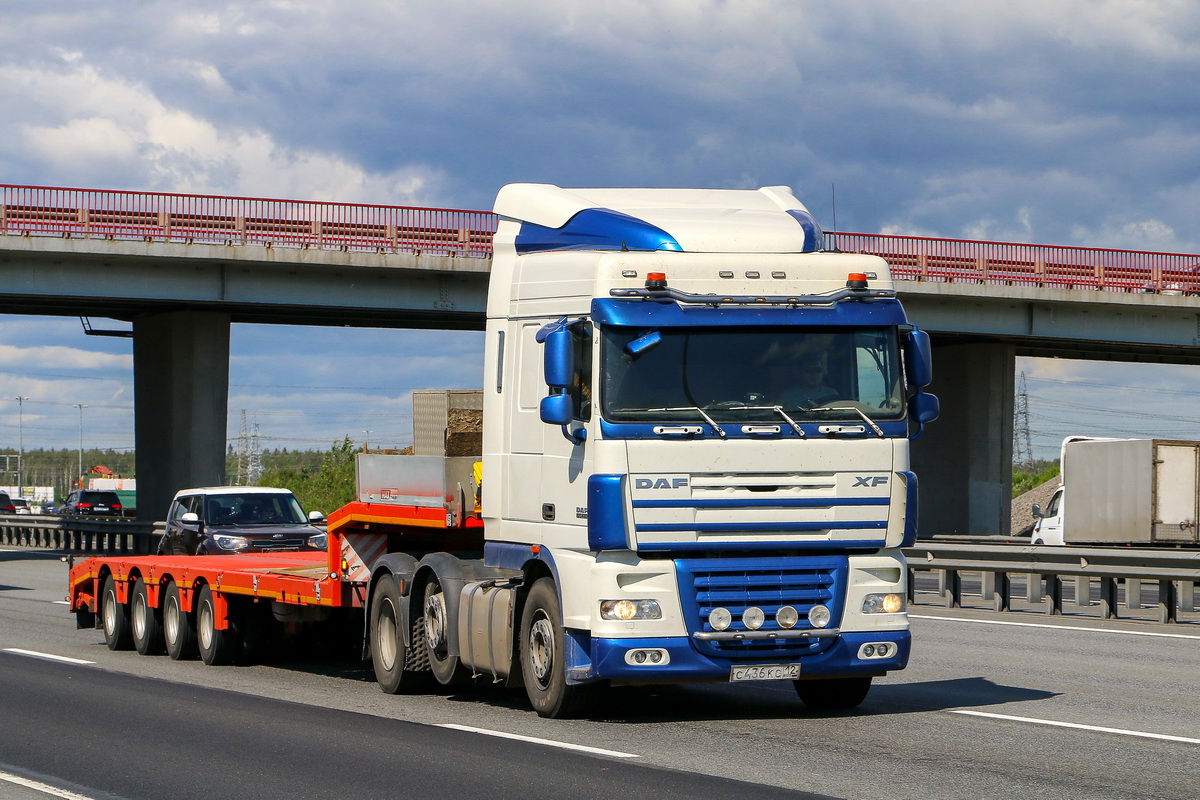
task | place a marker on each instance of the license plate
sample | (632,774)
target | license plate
(764,672)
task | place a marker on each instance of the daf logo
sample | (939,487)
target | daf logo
(870,480)
(660,483)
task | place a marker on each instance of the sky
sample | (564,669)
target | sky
(1064,122)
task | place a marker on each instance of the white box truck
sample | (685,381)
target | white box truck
(1124,492)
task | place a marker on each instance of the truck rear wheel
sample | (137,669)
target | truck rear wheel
(179,631)
(114,615)
(217,647)
(445,667)
(831,694)
(396,668)
(146,622)
(543,662)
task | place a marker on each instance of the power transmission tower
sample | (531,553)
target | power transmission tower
(1022,444)
(254,467)
(243,448)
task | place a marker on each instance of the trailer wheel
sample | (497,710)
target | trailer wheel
(543,663)
(832,694)
(115,617)
(446,668)
(179,631)
(146,622)
(217,648)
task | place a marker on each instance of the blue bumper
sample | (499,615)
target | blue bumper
(607,659)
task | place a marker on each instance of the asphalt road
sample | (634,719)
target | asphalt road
(992,706)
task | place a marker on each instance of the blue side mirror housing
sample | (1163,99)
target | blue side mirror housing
(920,358)
(556,409)
(925,407)
(558,358)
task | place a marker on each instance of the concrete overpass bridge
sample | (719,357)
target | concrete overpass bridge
(182,268)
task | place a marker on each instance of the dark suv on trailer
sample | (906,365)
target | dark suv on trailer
(218,520)
(91,501)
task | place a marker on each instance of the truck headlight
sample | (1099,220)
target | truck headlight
(819,616)
(890,603)
(320,541)
(226,542)
(626,610)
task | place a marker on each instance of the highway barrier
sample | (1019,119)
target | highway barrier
(80,534)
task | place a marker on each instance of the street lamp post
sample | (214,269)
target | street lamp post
(81,407)
(21,445)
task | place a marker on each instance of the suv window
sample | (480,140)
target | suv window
(102,498)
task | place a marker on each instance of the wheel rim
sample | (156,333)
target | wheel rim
(206,625)
(139,616)
(541,649)
(435,623)
(386,635)
(171,620)
(110,612)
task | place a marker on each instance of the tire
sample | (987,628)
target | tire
(389,656)
(833,694)
(437,631)
(114,617)
(179,627)
(146,622)
(217,648)
(543,664)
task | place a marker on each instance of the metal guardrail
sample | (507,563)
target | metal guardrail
(1044,569)
(188,218)
(1040,571)
(80,534)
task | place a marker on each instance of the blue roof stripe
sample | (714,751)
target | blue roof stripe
(596,229)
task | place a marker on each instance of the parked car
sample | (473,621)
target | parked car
(91,501)
(218,520)
(6,504)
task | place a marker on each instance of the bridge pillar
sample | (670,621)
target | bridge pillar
(964,459)
(181,387)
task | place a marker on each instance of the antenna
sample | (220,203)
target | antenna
(833,197)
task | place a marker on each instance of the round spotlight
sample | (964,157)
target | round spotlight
(719,619)
(787,617)
(640,656)
(868,650)
(893,603)
(753,618)
(819,616)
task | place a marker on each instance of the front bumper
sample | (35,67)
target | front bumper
(684,663)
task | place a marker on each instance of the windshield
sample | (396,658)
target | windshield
(253,509)
(741,374)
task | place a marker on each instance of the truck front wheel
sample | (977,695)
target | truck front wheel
(831,694)
(543,662)
(115,617)
(146,622)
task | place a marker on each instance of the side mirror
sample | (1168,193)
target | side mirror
(316,516)
(558,357)
(190,518)
(1037,511)
(556,409)
(920,358)
(923,408)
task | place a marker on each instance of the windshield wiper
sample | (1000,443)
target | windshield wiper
(720,431)
(856,410)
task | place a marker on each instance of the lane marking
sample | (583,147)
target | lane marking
(45,788)
(535,740)
(46,656)
(1077,726)
(1057,627)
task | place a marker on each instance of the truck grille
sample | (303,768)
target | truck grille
(739,583)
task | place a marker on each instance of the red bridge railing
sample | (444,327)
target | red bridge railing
(156,216)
